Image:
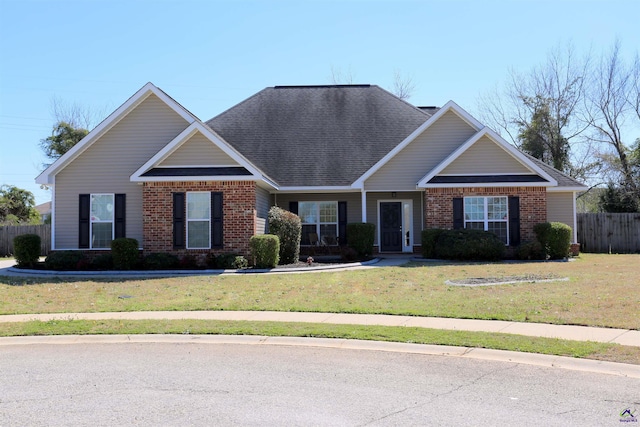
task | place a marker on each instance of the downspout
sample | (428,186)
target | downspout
(575,218)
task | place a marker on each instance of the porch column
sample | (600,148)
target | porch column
(364,206)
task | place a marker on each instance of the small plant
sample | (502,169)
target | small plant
(161,261)
(240,262)
(26,248)
(361,236)
(125,253)
(227,261)
(265,250)
(65,260)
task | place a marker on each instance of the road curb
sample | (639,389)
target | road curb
(556,362)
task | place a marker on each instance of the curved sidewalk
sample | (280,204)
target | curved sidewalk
(566,332)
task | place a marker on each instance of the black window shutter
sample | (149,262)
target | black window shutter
(178,221)
(84,217)
(342,223)
(293,207)
(458,213)
(514,221)
(120,216)
(216,220)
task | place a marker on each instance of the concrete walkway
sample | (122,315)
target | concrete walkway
(566,332)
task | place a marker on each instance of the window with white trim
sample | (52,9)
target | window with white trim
(101,222)
(199,220)
(319,223)
(488,214)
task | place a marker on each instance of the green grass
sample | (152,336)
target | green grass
(602,290)
(591,350)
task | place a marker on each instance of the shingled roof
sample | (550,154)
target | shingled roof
(318,135)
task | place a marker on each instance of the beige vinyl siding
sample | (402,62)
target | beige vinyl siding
(560,208)
(198,151)
(105,167)
(424,153)
(262,210)
(485,157)
(415,196)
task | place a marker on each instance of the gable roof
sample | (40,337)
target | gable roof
(318,136)
(449,106)
(519,156)
(46,177)
(565,182)
(241,170)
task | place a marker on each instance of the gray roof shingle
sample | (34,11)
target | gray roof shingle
(318,135)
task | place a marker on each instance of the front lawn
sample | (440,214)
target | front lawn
(602,290)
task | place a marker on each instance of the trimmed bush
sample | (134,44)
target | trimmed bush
(361,236)
(559,240)
(531,251)
(288,227)
(161,261)
(265,250)
(26,249)
(125,253)
(65,260)
(471,245)
(429,239)
(102,262)
(555,238)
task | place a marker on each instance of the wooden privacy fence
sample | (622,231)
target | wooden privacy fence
(7,233)
(617,233)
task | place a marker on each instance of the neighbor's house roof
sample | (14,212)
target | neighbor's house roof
(318,135)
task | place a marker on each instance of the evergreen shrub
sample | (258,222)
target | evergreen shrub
(265,250)
(26,249)
(288,227)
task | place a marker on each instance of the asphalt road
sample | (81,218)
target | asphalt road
(225,384)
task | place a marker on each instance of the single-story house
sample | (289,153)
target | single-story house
(333,154)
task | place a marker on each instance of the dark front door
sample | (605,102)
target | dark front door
(391,226)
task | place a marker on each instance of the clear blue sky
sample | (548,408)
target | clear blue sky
(210,55)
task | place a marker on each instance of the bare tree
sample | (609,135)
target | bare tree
(403,86)
(338,77)
(554,92)
(612,104)
(76,114)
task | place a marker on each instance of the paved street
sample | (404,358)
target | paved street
(230,384)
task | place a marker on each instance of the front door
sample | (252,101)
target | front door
(391,226)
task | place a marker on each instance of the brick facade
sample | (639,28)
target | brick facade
(533,205)
(239,215)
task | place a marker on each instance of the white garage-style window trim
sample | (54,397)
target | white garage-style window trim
(319,222)
(198,220)
(488,214)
